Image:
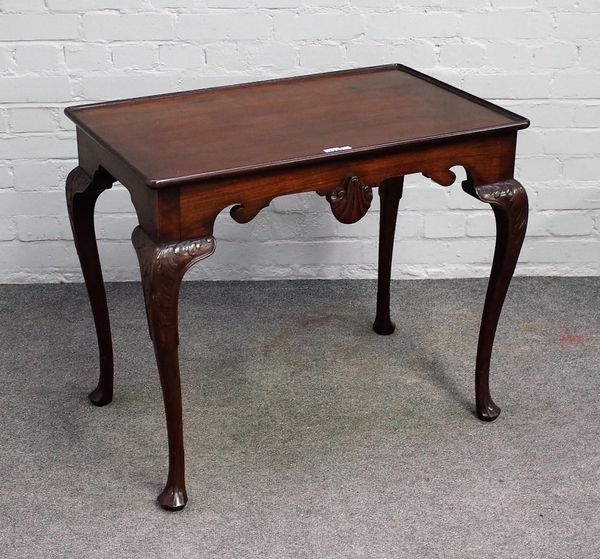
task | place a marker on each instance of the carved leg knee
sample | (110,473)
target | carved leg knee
(162,268)
(509,203)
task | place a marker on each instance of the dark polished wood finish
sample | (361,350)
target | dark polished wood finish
(390,193)
(162,267)
(185,157)
(245,128)
(509,203)
(82,192)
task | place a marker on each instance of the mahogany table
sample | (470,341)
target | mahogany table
(184,157)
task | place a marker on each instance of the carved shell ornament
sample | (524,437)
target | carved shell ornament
(350,201)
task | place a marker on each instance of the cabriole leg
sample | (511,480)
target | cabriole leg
(162,268)
(82,192)
(390,193)
(509,203)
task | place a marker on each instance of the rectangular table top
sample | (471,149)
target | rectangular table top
(184,137)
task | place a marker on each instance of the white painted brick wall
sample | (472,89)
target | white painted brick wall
(537,57)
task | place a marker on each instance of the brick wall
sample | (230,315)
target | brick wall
(540,58)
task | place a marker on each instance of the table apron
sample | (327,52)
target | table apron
(486,160)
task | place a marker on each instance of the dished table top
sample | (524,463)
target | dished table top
(177,138)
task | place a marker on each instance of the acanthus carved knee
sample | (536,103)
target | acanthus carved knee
(162,268)
(508,198)
(510,195)
(79,182)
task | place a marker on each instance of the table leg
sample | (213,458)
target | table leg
(390,193)
(509,203)
(162,267)
(82,192)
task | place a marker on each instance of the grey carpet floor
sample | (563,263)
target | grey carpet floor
(307,435)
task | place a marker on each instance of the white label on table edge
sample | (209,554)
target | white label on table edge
(341,148)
